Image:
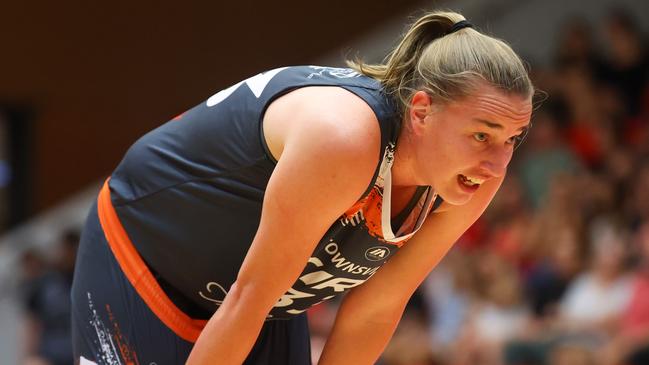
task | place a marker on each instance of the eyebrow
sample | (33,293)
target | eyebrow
(493,125)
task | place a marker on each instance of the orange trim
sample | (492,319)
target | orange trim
(139,275)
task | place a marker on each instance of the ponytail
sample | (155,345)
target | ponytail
(446,65)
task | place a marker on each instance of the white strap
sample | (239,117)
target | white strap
(85,361)
(386,208)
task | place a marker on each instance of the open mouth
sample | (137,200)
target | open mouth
(468,182)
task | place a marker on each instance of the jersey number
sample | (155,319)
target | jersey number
(256,84)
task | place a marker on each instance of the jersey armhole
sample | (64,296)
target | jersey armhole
(355,91)
(260,124)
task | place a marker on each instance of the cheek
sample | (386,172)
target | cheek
(456,154)
(444,153)
(433,154)
(439,162)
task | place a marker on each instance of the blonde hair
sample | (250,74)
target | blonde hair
(447,66)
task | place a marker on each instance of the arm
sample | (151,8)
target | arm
(370,312)
(322,171)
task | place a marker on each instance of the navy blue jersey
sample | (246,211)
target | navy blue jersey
(189,195)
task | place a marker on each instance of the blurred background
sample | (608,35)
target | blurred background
(556,271)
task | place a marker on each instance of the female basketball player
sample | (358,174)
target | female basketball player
(221,227)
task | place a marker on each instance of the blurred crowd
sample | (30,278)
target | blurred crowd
(45,293)
(556,272)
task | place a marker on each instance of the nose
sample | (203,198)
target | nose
(496,161)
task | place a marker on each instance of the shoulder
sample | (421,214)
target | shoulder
(326,106)
(329,121)
(326,143)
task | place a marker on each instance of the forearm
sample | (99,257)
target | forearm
(230,333)
(359,338)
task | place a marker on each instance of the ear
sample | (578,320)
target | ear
(420,109)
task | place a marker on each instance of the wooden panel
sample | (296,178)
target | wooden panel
(101,74)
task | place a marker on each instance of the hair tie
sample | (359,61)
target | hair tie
(459,25)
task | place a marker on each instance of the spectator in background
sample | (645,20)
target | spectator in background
(560,210)
(589,131)
(548,279)
(449,292)
(627,68)
(497,317)
(637,199)
(32,269)
(576,47)
(508,221)
(589,310)
(544,157)
(571,355)
(47,303)
(410,345)
(594,194)
(631,343)
(605,283)
(619,167)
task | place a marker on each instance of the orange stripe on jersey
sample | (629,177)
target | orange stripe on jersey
(177,117)
(372,206)
(372,211)
(139,275)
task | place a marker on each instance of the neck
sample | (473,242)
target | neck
(403,171)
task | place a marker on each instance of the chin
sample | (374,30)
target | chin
(455,198)
(457,201)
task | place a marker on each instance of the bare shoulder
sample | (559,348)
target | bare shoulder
(323,115)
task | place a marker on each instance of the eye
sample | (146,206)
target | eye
(518,140)
(515,140)
(480,137)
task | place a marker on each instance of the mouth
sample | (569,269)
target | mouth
(469,183)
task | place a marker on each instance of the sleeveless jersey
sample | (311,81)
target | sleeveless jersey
(189,195)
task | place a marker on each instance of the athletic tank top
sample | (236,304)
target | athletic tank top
(189,195)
